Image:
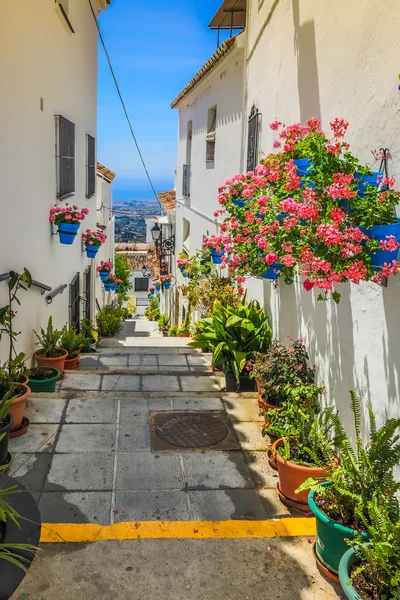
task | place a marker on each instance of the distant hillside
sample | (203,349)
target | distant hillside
(129,219)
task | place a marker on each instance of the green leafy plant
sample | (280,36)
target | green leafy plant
(49,339)
(152,312)
(173,331)
(109,320)
(90,336)
(363,473)
(123,272)
(71,341)
(183,330)
(234,334)
(377,575)
(163,321)
(6,399)
(42,373)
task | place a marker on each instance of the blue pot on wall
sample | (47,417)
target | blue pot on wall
(152,292)
(240,203)
(67,232)
(273,272)
(117,287)
(185,274)
(366,180)
(104,275)
(303,166)
(167,285)
(158,288)
(216,257)
(380,233)
(91,251)
(108,287)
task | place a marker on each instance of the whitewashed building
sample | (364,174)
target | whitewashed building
(302,60)
(105,222)
(48,114)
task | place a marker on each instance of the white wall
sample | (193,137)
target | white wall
(326,60)
(138,295)
(41,58)
(106,252)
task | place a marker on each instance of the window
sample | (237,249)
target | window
(65,157)
(141,284)
(90,166)
(253,138)
(63,6)
(186,236)
(210,137)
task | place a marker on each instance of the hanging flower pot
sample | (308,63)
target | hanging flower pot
(367,180)
(103,275)
(91,251)
(389,237)
(216,256)
(167,285)
(93,240)
(185,274)
(104,269)
(240,203)
(152,292)
(303,166)
(158,287)
(68,220)
(272,273)
(108,286)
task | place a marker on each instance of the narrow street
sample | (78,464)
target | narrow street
(100,471)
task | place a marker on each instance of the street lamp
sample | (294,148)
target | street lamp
(145,271)
(156,232)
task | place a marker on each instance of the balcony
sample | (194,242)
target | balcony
(186,181)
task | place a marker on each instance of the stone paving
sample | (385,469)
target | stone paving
(88,457)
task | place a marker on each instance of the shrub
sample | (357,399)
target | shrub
(71,341)
(49,339)
(109,321)
(173,331)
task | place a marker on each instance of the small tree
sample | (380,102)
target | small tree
(123,272)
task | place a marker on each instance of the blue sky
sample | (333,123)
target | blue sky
(156,47)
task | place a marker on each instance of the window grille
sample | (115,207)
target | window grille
(253,139)
(88,292)
(210,137)
(90,166)
(65,157)
(141,284)
(74,303)
(186,181)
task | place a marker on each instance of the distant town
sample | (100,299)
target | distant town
(130,218)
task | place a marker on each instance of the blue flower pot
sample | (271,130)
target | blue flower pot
(216,257)
(152,292)
(104,275)
(117,287)
(380,233)
(240,203)
(303,166)
(270,273)
(167,285)
(185,274)
(158,288)
(108,287)
(91,251)
(67,232)
(367,180)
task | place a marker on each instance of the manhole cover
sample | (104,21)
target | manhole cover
(192,431)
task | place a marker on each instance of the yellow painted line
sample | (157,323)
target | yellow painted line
(146,530)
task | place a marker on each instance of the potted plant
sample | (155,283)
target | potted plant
(90,336)
(104,269)
(72,342)
(117,284)
(68,219)
(166,280)
(372,570)
(173,331)
(50,354)
(216,246)
(234,334)
(152,290)
(43,379)
(109,282)
(163,324)
(20,525)
(109,320)
(340,504)
(183,331)
(6,423)
(19,394)
(92,241)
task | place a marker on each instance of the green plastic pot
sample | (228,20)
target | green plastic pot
(330,542)
(348,559)
(44,385)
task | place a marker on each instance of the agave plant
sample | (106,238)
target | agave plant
(362,473)
(71,341)
(234,334)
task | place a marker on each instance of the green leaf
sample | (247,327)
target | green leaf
(336,297)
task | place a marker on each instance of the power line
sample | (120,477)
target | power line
(162,210)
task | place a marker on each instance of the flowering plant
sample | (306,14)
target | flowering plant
(67,214)
(93,238)
(182,262)
(304,211)
(151,288)
(165,278)
(111,279)
(117,281)
(157,283)
(105,265)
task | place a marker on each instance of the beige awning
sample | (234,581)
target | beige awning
(223,16)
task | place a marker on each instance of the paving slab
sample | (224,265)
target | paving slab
(86,438)
(38,438)
(184,403)
(134,410)
(170,505)
(30,470)
(216,470)
(205,383)
(88,362)
(199,360)
(75,507)
(274,507)
(172,369)
(80,381)
(89,471)
(226,505)
(143,360)
(91,410)
(45,410)
(157,404)
(128,383)
(149,471)
(133,437)
(264,476)
(113,360)
(242,409)
(160,383)
(176,361)
(249,436)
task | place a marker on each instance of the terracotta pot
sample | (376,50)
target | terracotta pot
(267,407)
(183,334)
(58,362)
(271,454)
(17,407)
(71,364)
(290,477)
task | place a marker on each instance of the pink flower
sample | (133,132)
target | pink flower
(271,258)
(67,217)
(85,211)
(277,144)
(52,219)
(308,285)
(275,125)
(339,127)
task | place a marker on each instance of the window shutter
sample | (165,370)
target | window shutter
(90,166)
(141,284)
(65,157)
(253,138)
